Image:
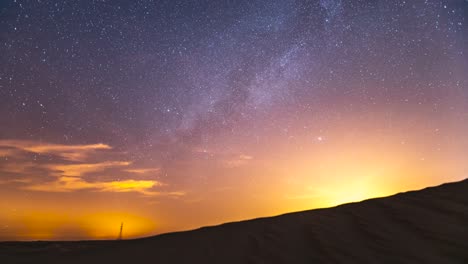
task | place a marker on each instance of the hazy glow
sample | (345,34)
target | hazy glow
(105,225)
(37,225)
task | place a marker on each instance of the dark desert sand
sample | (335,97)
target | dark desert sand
(426,226)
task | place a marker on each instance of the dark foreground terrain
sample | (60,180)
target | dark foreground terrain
(427,226)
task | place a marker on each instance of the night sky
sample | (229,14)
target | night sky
(170,115)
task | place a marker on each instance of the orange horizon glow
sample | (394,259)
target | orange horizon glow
(57,225)
(69,206)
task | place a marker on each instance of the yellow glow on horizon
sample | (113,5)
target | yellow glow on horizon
(354,191)
(57,225)
(107,225)
(341,170)
(42,225)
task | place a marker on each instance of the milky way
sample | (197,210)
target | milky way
(184,102)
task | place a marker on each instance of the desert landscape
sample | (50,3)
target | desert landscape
(426,226)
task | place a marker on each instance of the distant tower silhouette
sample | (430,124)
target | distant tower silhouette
(120,233)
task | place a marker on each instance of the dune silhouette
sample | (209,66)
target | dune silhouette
(425,226)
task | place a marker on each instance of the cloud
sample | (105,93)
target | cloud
(17,167)
(227,159)
(6,152)
(70,178)
(71,172)
(77,170)
(15,181)
(237,161)
(68,152)
(70,184)
(143,171)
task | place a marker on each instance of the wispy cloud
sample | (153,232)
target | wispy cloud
(226,158)
(15,181)
(237,161)
(143,171)
(69,184)
(68,152)
(6,152)
(18,167)
(75,170)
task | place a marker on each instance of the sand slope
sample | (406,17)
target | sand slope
(427,226)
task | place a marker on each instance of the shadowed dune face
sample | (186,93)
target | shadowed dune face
(427,226)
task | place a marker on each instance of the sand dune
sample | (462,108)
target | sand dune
(426,226)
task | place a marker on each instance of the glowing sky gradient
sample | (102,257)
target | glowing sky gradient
(170,115)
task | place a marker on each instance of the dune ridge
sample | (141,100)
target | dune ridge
(425,226)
